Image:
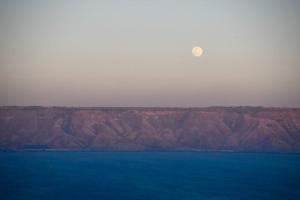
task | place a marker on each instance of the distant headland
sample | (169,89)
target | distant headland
(246,129)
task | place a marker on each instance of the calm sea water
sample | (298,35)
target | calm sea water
(148,175)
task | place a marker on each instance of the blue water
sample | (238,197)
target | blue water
(149,175)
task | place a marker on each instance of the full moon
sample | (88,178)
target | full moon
(197,51)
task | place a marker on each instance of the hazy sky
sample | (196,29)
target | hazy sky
(138,53)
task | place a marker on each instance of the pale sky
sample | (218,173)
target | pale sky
(138,53)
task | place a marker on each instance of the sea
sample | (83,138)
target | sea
(149,176)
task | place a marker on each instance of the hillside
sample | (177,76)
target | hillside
(214,128)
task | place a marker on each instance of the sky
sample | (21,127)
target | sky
(138,53)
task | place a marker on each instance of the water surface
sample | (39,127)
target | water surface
(149,175)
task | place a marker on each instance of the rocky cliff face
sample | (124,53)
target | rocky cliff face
(215,128)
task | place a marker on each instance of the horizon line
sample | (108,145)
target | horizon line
(149,107)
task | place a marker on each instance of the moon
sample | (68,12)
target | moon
(197,51)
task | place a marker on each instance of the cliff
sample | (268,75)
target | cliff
(214,128)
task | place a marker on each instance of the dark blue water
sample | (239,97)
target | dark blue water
(148,175)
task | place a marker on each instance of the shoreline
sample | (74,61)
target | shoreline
(145,151)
